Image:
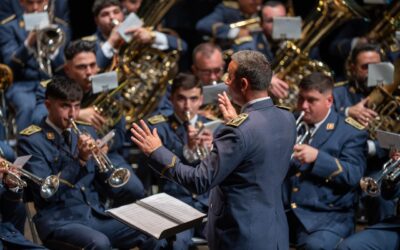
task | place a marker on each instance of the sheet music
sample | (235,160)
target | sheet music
(143,219)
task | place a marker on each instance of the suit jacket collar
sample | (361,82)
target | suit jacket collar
(325,130)
(54,136)
(259,105)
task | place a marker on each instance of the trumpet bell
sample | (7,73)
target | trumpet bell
(119,177)
(50,186)
(370,186)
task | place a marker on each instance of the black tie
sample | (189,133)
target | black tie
(67,137)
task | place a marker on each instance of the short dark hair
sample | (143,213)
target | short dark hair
(79,46)
(253,66)
(98,5)
(317,81)
(206,49)
(366,47)
(185,81)
(62,88)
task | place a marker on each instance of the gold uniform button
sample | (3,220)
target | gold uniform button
(331,205)
(295,189)
(293,205)
(298,174)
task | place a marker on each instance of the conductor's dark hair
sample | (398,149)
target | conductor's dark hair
(253,66)
(65,89)
(317,81)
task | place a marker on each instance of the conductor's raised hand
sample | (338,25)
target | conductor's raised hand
(147,141)
(226,107)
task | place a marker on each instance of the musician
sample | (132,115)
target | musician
(80,65)
(12,7)
(108,15)
(383,235)
(18,50)
(73,217)
(180,136)
(325,171)
(262,41)
(247,164)
(216,24)
(350,99)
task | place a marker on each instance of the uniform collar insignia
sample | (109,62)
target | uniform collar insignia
(50,135)
(260,46)
(330,126)
(174,125)
(21,24)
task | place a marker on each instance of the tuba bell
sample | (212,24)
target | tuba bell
(292,61)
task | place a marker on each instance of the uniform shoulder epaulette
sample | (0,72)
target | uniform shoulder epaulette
(237,121)
(231,4)
(91,38)
(60,21)
(83,123)
(340,84)
(44,83)
(30,130)
(244,39)
(283,107)
(354,123)
(8,19)
(157,119)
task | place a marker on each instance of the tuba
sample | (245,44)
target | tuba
(386,105)
(292,60)
(48,185)
(48,40)
(119,176)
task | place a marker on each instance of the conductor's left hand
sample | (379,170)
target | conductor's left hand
(147,141)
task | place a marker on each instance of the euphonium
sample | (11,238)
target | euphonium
(390,171)
(386,106)
(48,185)
(119,176)
(292,61)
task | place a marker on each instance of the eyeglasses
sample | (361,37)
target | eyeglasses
(208,72)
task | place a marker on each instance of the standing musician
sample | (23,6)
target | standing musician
(246,166)
(325,171)
(19,50)
(178,132)
(74,216)
(385,234)
(108,15)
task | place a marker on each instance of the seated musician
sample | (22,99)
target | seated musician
(18,49)
(351,100)
(73,217)
(179,133)
(384,235)
(325,170)
(108,15)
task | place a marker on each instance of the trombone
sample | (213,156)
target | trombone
(119,176)
(48,185)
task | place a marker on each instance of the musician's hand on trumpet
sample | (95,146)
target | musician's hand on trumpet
(4,169)
(86,146)
(226,107)
(305,153)
(90,115)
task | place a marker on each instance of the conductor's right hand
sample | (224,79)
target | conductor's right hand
(90,115)
(147,141)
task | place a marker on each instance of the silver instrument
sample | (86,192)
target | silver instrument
(200,151)
(390,171)
(301,125)
(48,185)
(119,176)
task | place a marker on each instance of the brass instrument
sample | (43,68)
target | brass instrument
(48,40)
(251,23)
(200,151)
(292,61)
(6,77)
(145,71)
(386,106)
(48,185)
(384,30)
(119,176)
(302,126)
(390,171)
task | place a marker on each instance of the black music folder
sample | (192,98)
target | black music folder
(159,215)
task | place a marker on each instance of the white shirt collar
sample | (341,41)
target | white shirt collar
(51,124)
(192,121)
(317,125)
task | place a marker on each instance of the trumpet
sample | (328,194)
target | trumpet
(48,185)
(301,125)
(390,171)
(200,151)
(119,176)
